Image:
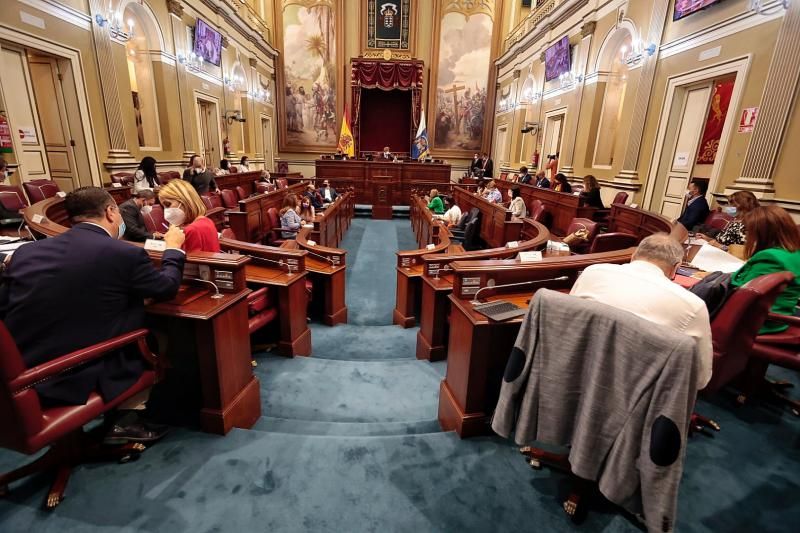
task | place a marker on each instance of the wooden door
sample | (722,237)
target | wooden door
(266,137)
(209,132)
(58,143)
(680,148)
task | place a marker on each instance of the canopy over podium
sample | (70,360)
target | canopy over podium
(387,103)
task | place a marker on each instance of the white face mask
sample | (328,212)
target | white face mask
(688,194)
(174,215)
(729,210)
(146,209)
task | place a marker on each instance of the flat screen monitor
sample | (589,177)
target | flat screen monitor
(557,59)
(684,8)
(207,43)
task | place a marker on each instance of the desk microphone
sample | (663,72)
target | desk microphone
(490,285)
(281,263)
(324,257)
(216,294)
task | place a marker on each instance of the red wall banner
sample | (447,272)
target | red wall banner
(720,100)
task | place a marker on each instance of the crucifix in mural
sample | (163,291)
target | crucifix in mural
(462,74)
(310,94)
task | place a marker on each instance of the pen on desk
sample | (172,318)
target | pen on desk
(165,225)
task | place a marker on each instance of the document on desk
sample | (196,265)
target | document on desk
(9,248)
(711,259)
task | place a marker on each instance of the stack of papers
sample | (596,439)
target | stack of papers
(712,259)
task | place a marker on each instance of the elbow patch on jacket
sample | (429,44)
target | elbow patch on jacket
(516,362)
(665,441)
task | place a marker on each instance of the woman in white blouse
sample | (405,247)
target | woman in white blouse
(453,213)
(517,205)
(145,176)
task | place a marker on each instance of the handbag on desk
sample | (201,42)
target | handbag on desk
(578,236)
(714,290)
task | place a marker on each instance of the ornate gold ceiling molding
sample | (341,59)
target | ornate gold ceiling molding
(310,3)
(470,7)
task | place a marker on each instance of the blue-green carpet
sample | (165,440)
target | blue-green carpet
(349,442)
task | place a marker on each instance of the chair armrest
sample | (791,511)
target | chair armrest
(784,319)
(55,367)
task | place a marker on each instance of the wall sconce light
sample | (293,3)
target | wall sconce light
(261,95)
(233,116)
(637,53)
(759,8)
(233,82)
(569,79)
(192,62)
(529,94)
(115,28)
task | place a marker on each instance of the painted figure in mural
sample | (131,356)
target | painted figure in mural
(291,123)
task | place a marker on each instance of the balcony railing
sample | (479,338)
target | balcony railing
(527,25)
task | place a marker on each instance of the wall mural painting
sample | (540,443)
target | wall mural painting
(462,77)
(309,73)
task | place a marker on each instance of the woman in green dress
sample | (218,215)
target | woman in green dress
(772,244)
(435,202)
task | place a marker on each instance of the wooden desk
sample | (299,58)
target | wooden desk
(245,180)
(562,207)
(429,231)
(497,227)
(361,175)
(251,222)
(639,222)
(211,331)
(437,284)
(478,348)
(285,271)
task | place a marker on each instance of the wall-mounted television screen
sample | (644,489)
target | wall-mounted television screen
(684,8)
(557,59)
(207,43)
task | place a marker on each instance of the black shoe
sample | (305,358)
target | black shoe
(126,430)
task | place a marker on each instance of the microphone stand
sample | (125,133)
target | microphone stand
(217,295)
(521,283)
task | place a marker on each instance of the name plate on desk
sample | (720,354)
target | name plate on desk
(512,244)
(311,243)
(61,194)
(430,246)
(530,257)
(116,185)
(38,219)
(154,245)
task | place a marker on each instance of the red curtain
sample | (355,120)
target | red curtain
(720,100)
(387,76)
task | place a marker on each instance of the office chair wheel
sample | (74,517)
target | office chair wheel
(536,464)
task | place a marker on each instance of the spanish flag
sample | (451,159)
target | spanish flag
(346,144)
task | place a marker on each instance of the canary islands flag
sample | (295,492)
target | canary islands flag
(419,150)
(346,144)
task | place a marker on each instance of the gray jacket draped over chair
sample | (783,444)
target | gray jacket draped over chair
(617,389)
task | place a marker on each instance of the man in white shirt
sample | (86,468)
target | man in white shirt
(453,213)
(644,287)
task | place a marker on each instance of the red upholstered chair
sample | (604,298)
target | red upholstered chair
(283,167)
(234,169)
(273,234)
(717,220)
(167,176)
(154,220)
(591,226)
(212,200)
(229,198)
(241,193)
(38,190)
(609,242)
(261,309)
(283,183)
(781,349)
(601,215)
(262,187)
(538,212)
(28,426)
(12,199)
(123,178)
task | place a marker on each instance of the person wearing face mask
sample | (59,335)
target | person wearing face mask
(133,212)
(312,194)
(696,207)
(306,210)
(475,165)
(739,204)
(146,176)
(84,287)
(327,192)
(201,178)
(184,208)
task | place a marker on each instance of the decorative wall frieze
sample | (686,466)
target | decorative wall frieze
(253,62)
(174,7)
(588,28)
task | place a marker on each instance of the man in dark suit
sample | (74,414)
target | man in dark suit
(201,178)
(475,165)
(696,206)
(84,287)
(132,212)
(387,154)
(327,192)
(541,180)
(487,166)
(524,177)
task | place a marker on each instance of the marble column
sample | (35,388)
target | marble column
(774,112)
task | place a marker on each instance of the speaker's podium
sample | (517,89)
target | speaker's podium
(382,194)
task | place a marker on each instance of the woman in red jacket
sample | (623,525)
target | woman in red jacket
(183,207)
